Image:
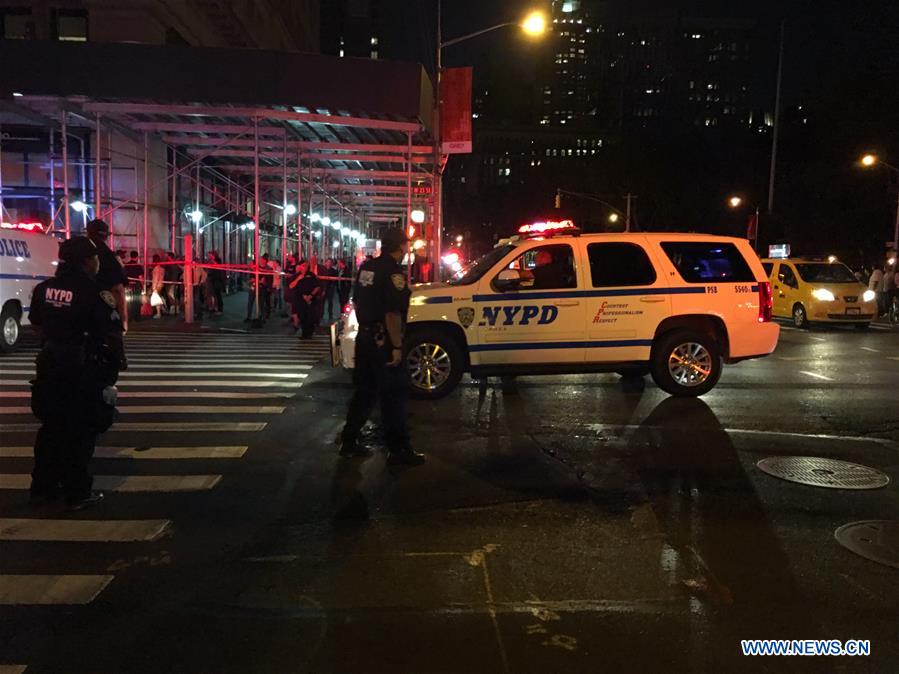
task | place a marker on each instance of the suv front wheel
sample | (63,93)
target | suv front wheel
(686,363)
(434,362)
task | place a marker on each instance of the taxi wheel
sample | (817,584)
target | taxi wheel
(800,318)
(686,363)
(11,327)
(434,363)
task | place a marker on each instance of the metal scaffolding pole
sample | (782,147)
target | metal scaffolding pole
(52,180)
(195,224)
(408,205)
(174,193)
(65,174)
(256,211)
(284,210)
(299,200)
(97,177)
(146,199)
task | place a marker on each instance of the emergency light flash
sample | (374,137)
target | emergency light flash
(547,227)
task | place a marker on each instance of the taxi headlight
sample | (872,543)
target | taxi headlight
(869,296)
(823,294)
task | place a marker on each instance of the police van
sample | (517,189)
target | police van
(553,301)
(27,257)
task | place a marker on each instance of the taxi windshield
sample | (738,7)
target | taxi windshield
(473,271)
(825,272)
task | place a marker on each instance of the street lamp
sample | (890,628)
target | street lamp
(290,209)
(735,201)
(196,216)
(613,217)
(459,239)
(534,24)
(79,206)
(418,216)
(870,160)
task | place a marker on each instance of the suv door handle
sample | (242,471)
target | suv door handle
(570,303)
(651,299)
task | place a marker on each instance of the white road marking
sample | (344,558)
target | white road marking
(167,373)
(82,531)
(815,375)
(185,383)
(159,427)
(817,339)
(893,357)
(174,394)
(139,363)
(49,590)
(174,409)
(868,348)
(129,483)
(212,452)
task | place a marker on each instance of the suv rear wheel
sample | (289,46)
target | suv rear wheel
(11,328)
(686,363)
(434,362)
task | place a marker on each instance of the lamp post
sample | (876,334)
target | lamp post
(870,160)
(534,24)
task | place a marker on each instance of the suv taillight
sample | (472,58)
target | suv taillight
(766,300)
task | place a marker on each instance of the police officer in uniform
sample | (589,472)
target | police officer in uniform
(381,296)
(73,394)
(112,275)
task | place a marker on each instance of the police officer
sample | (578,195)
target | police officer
(381,297)
(112,275)
(73,394)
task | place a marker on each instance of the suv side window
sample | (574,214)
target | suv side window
(619,264)
(768,267)
(708,262)
(547,267)
(787,277)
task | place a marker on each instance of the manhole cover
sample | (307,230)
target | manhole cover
(820,472)
(877,540)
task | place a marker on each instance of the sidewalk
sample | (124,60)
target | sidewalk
(232,320)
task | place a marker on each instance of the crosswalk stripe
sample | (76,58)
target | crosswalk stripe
(175,409)
(167,373)
(18,590)
(159,427)
(137,363)
(211,452)
(175,394)
(82,531)
(128,483)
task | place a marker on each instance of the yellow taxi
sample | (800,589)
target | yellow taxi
(819,291)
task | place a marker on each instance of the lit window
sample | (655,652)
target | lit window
(71,26)
(374,53)
(568,7)
(341,53)
(374,42)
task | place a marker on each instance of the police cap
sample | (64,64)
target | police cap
(392,239)
(97,226)
(76,249)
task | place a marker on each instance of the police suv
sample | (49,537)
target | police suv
(27,257)
(552,301)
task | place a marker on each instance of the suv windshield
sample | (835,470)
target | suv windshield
(825,272)
(473,271)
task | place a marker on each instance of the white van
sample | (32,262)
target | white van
(27,257)
(676,306)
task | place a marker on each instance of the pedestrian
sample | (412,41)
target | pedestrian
(157,287)
(111,276)
(134,273)
(306,291)
(381,297)
(329,289)
(215,284)
(199,289)
(875,283)
(344,284)
(73,394)
(265,287)
(173,282)
(276,285)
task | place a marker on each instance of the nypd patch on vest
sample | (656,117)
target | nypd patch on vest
(399,281)
(108,297)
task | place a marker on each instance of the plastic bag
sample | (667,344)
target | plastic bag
(156,300)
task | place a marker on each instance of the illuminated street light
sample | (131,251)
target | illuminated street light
(831,258)
(418,216)
(290,209)
(735,202)
(336,244)
(79,206)
(326,221)
(459,239)
(534,24)
(196,216)
(336,225)
(869,160)
(613,217)
(345,231)
(315,217)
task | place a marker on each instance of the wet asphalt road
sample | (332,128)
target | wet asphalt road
(561,524)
